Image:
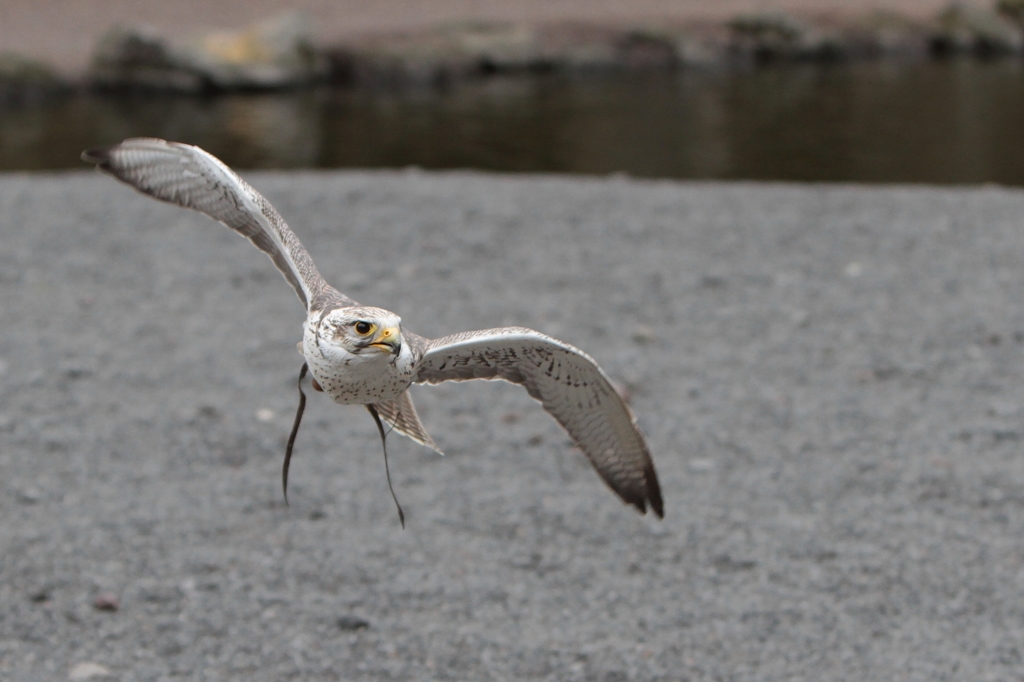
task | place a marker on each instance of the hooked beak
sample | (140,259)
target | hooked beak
(388,340)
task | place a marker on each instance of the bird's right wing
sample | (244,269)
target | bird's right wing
(401,414)
(193,178)
(570,386)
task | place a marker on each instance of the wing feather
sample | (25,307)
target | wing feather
(401,414)
(193,178)
(570,386)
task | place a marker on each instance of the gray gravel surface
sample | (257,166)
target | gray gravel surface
(830,378)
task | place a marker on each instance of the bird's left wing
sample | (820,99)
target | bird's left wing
(193,178)
(570,386)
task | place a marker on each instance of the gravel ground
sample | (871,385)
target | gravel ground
(830,378)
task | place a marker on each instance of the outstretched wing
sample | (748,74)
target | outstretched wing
(188,176)
(570,386)
(401,414)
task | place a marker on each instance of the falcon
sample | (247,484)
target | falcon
(361,355)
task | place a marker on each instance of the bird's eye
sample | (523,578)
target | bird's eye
(363,328)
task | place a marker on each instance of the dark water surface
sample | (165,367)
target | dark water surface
(933,122)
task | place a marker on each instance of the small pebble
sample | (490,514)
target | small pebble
(712,282)
(352,623)
(853,270)
(29,496)
(264,415)
(1003,408)
(107,601)
(643,334)
(86,671)
(700,465)
(208,412)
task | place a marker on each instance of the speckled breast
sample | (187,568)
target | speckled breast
(352,379)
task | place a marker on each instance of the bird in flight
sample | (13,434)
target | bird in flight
(361,355)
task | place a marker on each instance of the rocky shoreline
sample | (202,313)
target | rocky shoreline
(281,52)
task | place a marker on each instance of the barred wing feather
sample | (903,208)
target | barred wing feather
(190,177)
(570,386)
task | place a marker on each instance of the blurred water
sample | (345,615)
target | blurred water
(936,122)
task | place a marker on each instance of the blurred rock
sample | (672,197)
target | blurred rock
(137,57)
(274,54)
(647,48)
(771,36)
(568,47)
(967,28)
(666,46)
(587,57)
(24,80)
(883,33)
(1012,9)
(277,53)
(281,53)
(472,50)
(400,62)
(494,46)
(438,56)
(701,48)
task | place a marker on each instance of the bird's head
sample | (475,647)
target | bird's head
(363,331)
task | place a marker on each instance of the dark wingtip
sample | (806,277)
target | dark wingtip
(647,493)
(654,491)
(99,155)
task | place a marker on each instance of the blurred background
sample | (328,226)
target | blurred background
(913,91)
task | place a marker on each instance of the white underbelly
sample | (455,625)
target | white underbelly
(356,390)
